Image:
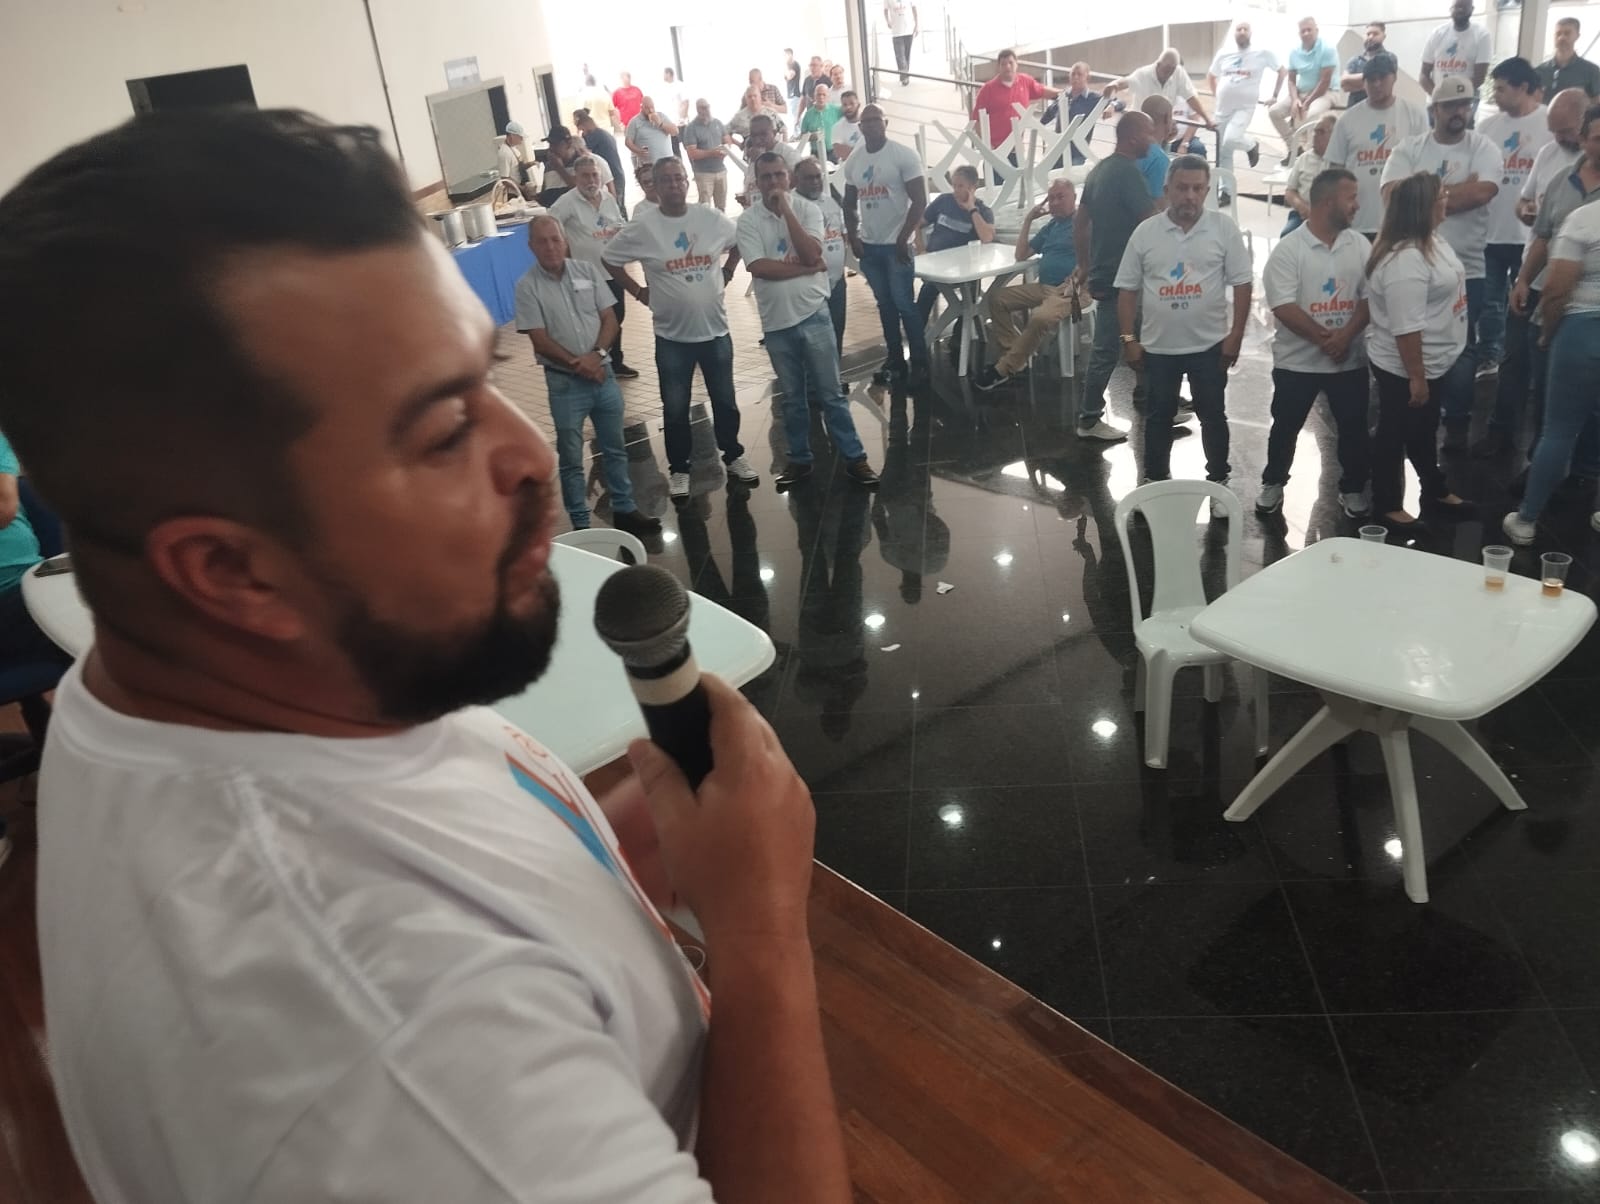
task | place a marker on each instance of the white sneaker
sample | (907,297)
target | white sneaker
(1268,501)
(1487,370)
(739,470)
(1519,532)
(1103,430)
(1355,505)
(678,485)
(1219,508)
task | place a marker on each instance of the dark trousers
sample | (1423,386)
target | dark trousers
(836,312)
(926,297)
(1517,382)
(1405,432)
(675,364)
(1501,263)
(1208,383)
(902,55)
(618,309)
(1293,395)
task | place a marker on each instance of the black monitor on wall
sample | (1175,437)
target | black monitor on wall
(193,89)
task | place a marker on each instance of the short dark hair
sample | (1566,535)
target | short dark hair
(1189,163)
(184,421)
(1327,181)
(848,92)
(1379,25)
(1380,65)
(768,157)
(1007,53)
(1518,72)
(1590,116)
(1577,25)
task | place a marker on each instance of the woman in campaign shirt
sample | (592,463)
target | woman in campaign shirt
(1417,294)
(953,219)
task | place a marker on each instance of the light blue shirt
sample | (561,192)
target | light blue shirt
(1307,66)
(19,547)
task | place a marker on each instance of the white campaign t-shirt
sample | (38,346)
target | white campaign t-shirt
(1552,161)
(1474,155)
(880,178)
(832,236)
(682,261)
(1519,141)
(1143,84)
(847,134)
(1362,142)
(1185,280)
(412,967)
(1407,294)
(765,235)
(1456,52)
(1239,77)
(1578,240)
(588,228)
(901,20)
(1328,283)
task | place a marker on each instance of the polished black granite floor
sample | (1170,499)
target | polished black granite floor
(954,679)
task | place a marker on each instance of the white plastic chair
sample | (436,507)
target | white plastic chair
(605,541)
(1067,342)
(1277,179)
(1163,639)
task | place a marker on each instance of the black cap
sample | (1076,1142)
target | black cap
(1380,64)
(558,133)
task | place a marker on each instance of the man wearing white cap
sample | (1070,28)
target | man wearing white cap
(1469,167)
(509,152)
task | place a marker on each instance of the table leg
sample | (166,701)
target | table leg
(1469,752)
(1396,744)
(968,316)
(1322,732)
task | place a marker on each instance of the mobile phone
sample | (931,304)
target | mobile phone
(54,566)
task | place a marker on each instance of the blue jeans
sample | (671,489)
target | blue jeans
(1456,398)
(1104,356)
(572,399)
(1501,263)
(1571,400)
(891,285)
(1208,383)
(675,364)
(1292,223)
(807,364)
(1521,371)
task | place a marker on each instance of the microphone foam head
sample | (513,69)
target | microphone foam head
(642,613)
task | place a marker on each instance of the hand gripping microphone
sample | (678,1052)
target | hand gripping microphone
(642,614)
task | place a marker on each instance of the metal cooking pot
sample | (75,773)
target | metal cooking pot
(479,221)
(452,227)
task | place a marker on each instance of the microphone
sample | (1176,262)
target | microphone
(642,614)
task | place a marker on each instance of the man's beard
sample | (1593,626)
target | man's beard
(416,676)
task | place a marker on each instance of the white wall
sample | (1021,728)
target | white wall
(64,63)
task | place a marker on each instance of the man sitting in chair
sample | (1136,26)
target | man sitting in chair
(1050,298)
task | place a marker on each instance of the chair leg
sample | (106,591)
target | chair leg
(1396,744)
(1158,711)
(1263,715)
(1139,675)
(1321,733)
(1213,683)
(1458,740)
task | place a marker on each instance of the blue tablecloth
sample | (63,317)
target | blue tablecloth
(493,267)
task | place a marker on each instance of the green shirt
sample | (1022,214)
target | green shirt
(815,120)
(1117,200)
(19,547)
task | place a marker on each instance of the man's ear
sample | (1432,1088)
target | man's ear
(233,574)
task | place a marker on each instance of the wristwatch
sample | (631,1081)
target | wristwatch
(1128,338)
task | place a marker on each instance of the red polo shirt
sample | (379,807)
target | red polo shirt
(996,99)
(627,101)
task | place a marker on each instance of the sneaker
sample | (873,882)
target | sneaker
(1284,162)
(1253,155)
(1224,199)
(1486,370)
(678,486)
(1219,508)
(1355,505)
(795,474)
(1594,521)
(739,470)
(1492,444)
(1182,415)
(888,375)
(623,372)
(1268,501)
(635,523)
(990,379)
(1519,532)
(860,473)
(1102,430)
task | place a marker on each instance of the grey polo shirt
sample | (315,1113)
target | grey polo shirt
(567,308)
(706,135)
(1564,196)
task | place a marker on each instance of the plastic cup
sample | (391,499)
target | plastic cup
(1553,568)
(1374,534)
(1496,564)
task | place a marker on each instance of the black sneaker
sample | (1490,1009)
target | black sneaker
(795,474)
(625,372)
(990,379)
(860,473)
(1253,154)
(888,375)
(635,523)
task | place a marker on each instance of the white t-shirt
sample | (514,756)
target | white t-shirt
(1308,165)
(765,235)
(1143,84)
(1553,160)
(1363,139)
(1579,240)
(1239,76)
(1328,283)
(832,236)
(588,227)
(901,19)
(412,967)
(1519,140)
(1407,294)
(880,178)
(1185,280)
(1474,155)
(682,261)
(670,100)
(847,134)
(1456,52)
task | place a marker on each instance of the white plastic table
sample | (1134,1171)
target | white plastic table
(581,709)
(1395,640)
(957,273)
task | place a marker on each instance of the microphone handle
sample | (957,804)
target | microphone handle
(677,713)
